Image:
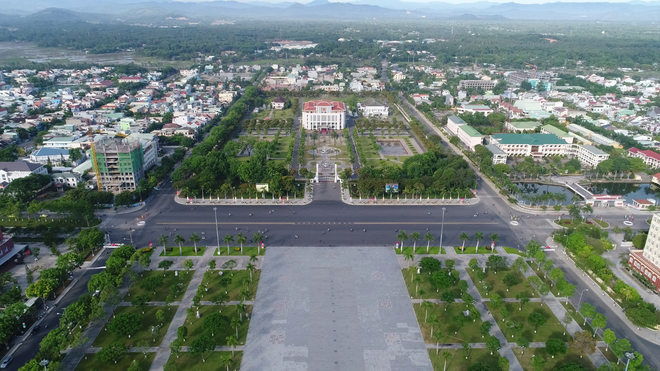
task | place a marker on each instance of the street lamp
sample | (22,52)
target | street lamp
(580,301)
(130,233)
(629,355)
(217,235)
(44,363)
(442,228)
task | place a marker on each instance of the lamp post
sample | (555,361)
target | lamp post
(629,355)
(44,363)
(442,228)
(130,233)
(580,301)
(217,235)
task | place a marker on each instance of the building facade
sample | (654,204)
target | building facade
(324,115)
(483,84)
(120,164)
(373,108)
(535,145)
(19,169)
(589,155)
(650,158)
(647,261)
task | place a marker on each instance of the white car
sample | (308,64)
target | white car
(6,362)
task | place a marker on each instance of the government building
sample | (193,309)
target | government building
(324,115)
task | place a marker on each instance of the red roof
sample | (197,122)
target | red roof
(643,202)
(312,104)
(647,153)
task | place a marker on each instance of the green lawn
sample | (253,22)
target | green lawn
(495,280)
(188,362)
(107,337)
(196,325)
(161,293)
(236,250)
(424,289)
(92,363)
(602,224)
(513,250)
(212,282)
(473,250)
(544,277)
(433,250)
(468,332)
(457,361)
(552,328)
(187,251)
(571,356)
(579,319)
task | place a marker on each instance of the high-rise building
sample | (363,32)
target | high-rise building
(323,115)
(647,261)
(120,164)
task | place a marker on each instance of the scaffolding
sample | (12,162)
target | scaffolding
(119,164)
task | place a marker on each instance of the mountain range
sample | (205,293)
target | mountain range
(167,11)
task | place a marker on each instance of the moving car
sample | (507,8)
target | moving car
(6,362)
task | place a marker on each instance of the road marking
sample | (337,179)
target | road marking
(223,223)
(431,223)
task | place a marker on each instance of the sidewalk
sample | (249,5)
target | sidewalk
(245,201)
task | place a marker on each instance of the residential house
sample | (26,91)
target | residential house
(19,169)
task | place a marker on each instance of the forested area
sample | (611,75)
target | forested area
(508,44)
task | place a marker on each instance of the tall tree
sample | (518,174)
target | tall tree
(194,238)
(179,240)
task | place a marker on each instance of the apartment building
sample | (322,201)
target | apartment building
(120,164)
(647,261)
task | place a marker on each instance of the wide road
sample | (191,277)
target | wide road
(30,346)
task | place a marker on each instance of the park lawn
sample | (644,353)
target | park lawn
(457,361)
(189,362)
(212,281)
(247,250)
(161,293)
(544,278)
(495,280)
(473,250)
(551,329)
(424,289)
(577,317)
(602,224)
(196,325)
(288,113)
(107,337)
(93,363)
(513,250)
(187,251)
(609,354)
(469,332)
(571,356)
(419,250)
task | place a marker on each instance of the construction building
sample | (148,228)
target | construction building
(119,163)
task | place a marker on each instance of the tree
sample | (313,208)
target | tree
(225,282)
(429,238)
(496,263)
(523,298)
(125,324)
(112,353)
(256,238)
(532,248)
(505,313)
(537,362)
(194,238)
(536,319)
(458,321)
(523,343)
(466,348)
(493,344)
(409,257)
(228,239)
(426,305)
(449,263)
(41,289)
(493,239)
(140,301)
(584,342)
(235,323)
(226,360)
(162,240)
(432,321)
(478,237)
(212,264)
(599,321)
(165,265)
(566,320)
(438,337)
(609,337)
(510,280)
(182,332)
(448,298)
(463,237)
(70,261)
(179,240)
(587,311)
(215,322)
(519,264)
(503,362)
(619,348)
(402,237)
(415,236)
(188,264)
(160,316)
(241,239)
(201,345)
(474,264)
(484,329)
(547,265)
(555,347)
(232,342)
(556,274)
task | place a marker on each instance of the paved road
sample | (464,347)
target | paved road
(30,346)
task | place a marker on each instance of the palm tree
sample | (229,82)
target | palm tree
(232,342)
(402,236)
(241,239)
(478,237)
(433,321)
(226,360)
(179,240)
(415,236)
(228,238)
(235,323)
(429,238)
(256,238)
(251,268)
(162,240)
(241,308)
(463,237)
(427,305)
(194,238)
(409,257)
(438,337)
(494,238)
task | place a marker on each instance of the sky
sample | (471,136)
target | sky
(430,1)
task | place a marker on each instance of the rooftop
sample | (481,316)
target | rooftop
(495,150)
(554,130)
(19,166)
(593,150)
(45,151)
(456,120)
(312,104)
(524,125)
(529,139)
(469,130)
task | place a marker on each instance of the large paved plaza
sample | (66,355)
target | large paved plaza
(333,308)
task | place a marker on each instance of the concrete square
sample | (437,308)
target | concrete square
(333,308)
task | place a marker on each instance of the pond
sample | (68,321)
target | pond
(629,191)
